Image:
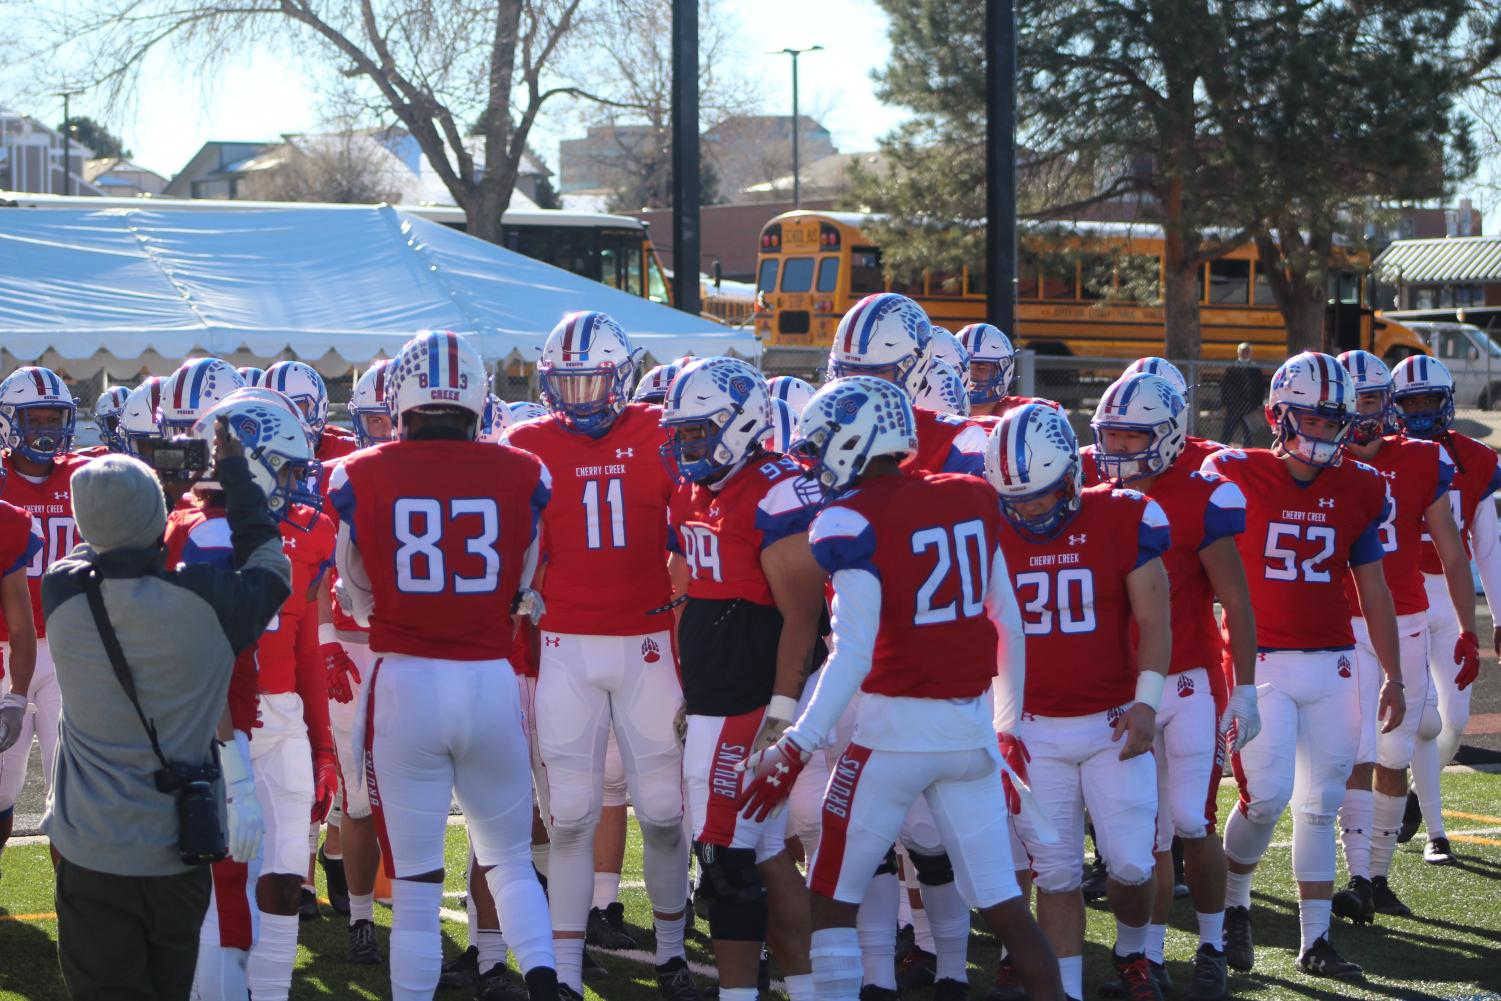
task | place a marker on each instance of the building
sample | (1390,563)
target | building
(827,177)
(118,177)
(728,234)
(747,150)
(217,170)
(32,159)
(603,158)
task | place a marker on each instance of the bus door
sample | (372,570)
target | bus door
(1344,320)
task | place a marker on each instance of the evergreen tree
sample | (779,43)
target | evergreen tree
(95,136)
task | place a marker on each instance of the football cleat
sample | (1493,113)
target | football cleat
(606,928)
(333,878)
(1320,960)
(1412,819)
(1354,902)
(1437,852)
(500,983)
(1240,951)
(566,993)
(916,968)
(1211,981)
(870,992)
(675,981)
(1385,901)
(592,969)
(462,970)
(1137,982)
(308,909)
(1008,983)
(949,989)
(1095,879)
(363,949)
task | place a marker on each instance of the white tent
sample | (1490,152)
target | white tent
(126,289)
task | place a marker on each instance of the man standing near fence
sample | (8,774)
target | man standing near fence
(1242,392)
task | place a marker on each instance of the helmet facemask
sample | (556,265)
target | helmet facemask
(990,379)
(41,431)
(1367,427)
(1289,437)
(1127,467)
(1425,422)
(1046,524)
(587,399)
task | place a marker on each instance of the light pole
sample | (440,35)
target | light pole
(797,180)
(67,140)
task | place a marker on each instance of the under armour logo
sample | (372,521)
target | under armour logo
(288,542)
(1078,540)
(1326,502)
(59,495)
(625,453)
(552,640)
(778,772)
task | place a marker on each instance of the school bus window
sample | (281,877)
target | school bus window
(1229,282)
(865,271)
(797,276)
(828,274)
(1097,274)
(974,281)
(1139,278)
(1058,282)
(766,279)
(945,283)
(1026,283)
(656,282)
(1262,291)
(910,288)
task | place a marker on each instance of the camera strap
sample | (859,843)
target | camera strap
(117,656)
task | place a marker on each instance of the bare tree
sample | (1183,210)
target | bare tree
(432,64)
(345,167)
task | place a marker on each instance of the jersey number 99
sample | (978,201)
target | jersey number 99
(420,563)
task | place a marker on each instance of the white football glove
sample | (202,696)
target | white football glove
(529,605)
(246,826)
(779,716)
(1243,715)
(12,715)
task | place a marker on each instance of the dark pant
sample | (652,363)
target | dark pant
(125,937)
(1238,425)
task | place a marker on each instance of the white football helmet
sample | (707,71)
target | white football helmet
(301,383)
(653,385)
(276,446)
(525,410)
(588,366)
(1372,378)
(1415,377)
(251,375)
(1148,404)
(716,415)
(992,362)
(107,411)
(138,419)
(495,421)
(37,414)
(791,390)
(436,369)
(198,385)
(887,336)
(1311,384)
(851,421)
(1162,367)
(783,427)
(369,400)
(948,348)
(944,391)
(1031,454)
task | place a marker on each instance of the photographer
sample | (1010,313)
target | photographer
(139,802)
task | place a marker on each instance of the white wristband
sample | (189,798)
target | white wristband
(782,707)
(234,758)
(1149,685)
(327,633)
(14,700)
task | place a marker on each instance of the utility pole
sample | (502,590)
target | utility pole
(685,165)
(67,140)
(797,178)
(1000,164)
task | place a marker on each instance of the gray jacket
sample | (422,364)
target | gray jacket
(180,631)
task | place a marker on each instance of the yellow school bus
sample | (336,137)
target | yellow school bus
(1091,291)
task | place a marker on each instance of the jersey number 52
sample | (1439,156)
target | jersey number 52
(420,523)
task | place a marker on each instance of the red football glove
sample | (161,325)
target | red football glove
(769,777)
(340,669)
(325,783)
(1467,656)
(1016,756)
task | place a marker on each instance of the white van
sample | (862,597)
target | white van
(1470,355)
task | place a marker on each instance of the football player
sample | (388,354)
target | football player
(653,385)
(37,414)
(1310,517)
(1195,449)
(1423,391)
(301,383)
(916,569)
(19,543)
(790,390)
(991,370)
(1418,475)
(433,564)
(1139,431)
(748,636)
(944,391)
(1088,727)
(606,661)
(107,412)
(138,419)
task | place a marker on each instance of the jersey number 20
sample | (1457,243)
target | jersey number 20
(419,525)
(960,546)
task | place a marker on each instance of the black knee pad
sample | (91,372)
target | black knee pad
(730,884)
(932,870)
(888,864)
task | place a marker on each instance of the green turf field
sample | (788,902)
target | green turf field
(1451,950)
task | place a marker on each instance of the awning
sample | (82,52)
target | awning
(1444,261)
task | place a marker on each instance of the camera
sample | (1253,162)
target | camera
(200,838)
(176,458)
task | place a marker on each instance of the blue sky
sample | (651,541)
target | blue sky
(258,96)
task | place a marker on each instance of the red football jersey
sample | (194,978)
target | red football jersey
(1476,476)
(51,504)
(604,536)
(1417,473)
(930,540)
(1300,540)
(1076,613)
(720,533)
(20,541)
(1008,404)
(311,554)
(946,444)
(342,620)
(443,528)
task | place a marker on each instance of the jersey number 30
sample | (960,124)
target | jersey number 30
(419,525)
